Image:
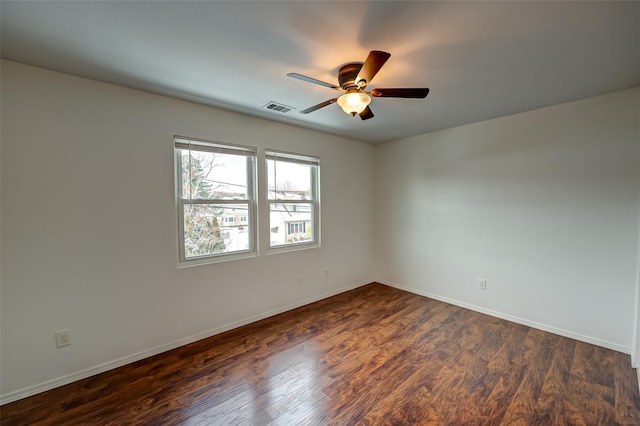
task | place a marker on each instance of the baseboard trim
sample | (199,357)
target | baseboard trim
(518,320)
(110,365)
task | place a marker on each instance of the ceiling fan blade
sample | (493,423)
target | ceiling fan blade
(371,66)
(321,105)
(417,93)
(366,114)
(312,80)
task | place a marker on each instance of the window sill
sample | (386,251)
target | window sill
(216,259)
(292,247)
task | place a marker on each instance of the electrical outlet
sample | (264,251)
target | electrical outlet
(482,284)
(63,338)
(326,274)
(299,279)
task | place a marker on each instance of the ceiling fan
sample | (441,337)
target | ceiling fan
(353,79)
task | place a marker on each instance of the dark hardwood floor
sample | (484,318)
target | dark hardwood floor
(372,356)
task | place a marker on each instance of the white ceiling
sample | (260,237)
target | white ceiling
(481,60)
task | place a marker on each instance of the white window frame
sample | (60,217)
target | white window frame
(194,144)
(314,162)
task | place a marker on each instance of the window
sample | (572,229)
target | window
(296,228)
(229,219)
(293,198)
(215,192)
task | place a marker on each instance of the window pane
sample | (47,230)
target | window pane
(215,228)
(207,175)
(290,223)
(288,181)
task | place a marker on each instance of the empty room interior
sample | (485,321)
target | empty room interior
(282,212)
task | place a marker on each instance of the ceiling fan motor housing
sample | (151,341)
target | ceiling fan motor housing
(347,75)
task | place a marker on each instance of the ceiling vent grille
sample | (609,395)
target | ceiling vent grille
(274,106)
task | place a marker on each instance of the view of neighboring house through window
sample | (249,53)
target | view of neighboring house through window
(216,199)
(293,197)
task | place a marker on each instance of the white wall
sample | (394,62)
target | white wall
(543,204)
(89,234)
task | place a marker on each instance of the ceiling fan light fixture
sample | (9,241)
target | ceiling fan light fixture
(354,102)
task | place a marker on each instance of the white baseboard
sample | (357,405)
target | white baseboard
(518,320)
(110,365)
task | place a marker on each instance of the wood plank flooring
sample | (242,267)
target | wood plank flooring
(372,356)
